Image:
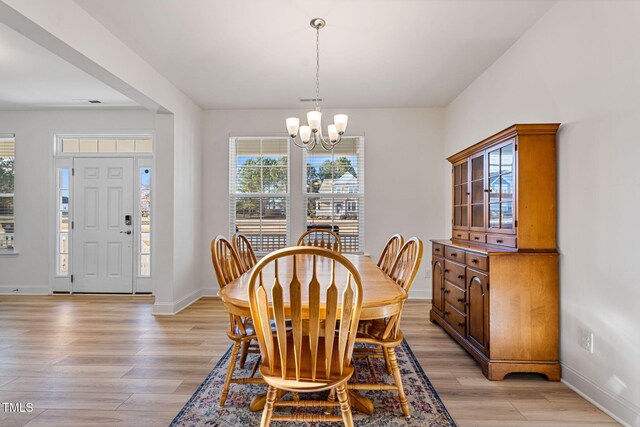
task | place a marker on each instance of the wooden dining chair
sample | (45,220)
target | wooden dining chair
(244,250)
(228,267)
(389,253)
(385,334)
(321,238)
(313,355)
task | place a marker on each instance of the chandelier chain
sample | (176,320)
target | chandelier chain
(317,67)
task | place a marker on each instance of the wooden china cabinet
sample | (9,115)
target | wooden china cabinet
(495,282)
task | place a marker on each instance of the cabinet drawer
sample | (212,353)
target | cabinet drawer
(454,296)
(464,235)
(454,254)
(478,237)
(496,239)
(438,249)
(481,262)
(454,273)
(454,318)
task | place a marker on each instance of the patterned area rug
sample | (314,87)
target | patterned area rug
(426,407)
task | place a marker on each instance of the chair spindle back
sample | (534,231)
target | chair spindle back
(225,260)
(312,327)
(389,253)
(321,238)
(244,250)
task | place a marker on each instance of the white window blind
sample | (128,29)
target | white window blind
(334,191)
(259,191)
(7,173)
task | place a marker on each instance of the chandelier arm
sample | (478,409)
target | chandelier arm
(308,146)
(327,145)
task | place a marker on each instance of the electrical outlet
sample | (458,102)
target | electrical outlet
(586,340)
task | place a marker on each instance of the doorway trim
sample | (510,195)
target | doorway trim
(62,282)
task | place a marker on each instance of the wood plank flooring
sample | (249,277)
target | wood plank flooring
(102,360)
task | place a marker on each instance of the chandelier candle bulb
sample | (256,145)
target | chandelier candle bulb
(293,123)
(315,119)
(340,121)
(305,133)
(333,133)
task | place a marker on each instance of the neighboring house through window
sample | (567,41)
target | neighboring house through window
(334,191)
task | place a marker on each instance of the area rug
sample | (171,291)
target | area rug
(426,407)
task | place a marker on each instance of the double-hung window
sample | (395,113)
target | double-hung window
(259,191)
(7,217)
(334,191)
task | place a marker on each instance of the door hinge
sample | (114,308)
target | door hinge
(72,278)
(487,285)
(516,146)
(72,225)
(516,224)
(73,171)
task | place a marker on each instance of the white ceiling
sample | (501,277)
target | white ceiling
(31,77)
(373,53)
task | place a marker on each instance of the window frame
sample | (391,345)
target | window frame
(345,196)
(11,250)
(234,195)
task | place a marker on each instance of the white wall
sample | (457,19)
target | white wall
(31,270)
(403,183)
(580,65)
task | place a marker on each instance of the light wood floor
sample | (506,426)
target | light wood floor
(87,360)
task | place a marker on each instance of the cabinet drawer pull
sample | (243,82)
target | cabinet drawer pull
(460,276)
(486,190)
(460,324)
(446,270)
(446,291)
(437,250)
(468,194)
(500,241)
(474,260)
(460,299)
(476,238)
(445,313)
(454,254)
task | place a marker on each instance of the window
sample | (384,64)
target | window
(63,176)
(7,173)
(259,191)
(107,145)
(334,191)
(144,179)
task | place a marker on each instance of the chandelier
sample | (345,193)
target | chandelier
(311,134)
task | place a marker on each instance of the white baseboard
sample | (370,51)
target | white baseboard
(24,290)
(419,294)
(209,292)
(168,309)
(620,409)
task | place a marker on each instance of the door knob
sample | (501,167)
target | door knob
(126,232)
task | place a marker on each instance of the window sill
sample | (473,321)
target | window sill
(9,252)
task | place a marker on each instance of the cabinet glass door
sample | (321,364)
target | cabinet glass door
(500,186)
(461,195)
(477,192)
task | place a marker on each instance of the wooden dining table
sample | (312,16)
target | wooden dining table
(382,297)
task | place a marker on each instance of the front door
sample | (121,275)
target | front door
(102,229)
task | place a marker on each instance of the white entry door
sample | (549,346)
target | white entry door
(103,225)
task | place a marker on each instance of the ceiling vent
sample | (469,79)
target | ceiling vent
(94,101)
(310,99)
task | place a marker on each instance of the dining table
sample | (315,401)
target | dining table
(382,297)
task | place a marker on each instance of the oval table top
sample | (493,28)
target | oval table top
(382,297)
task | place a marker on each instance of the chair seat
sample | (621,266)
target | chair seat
(306,383)
(372,331)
